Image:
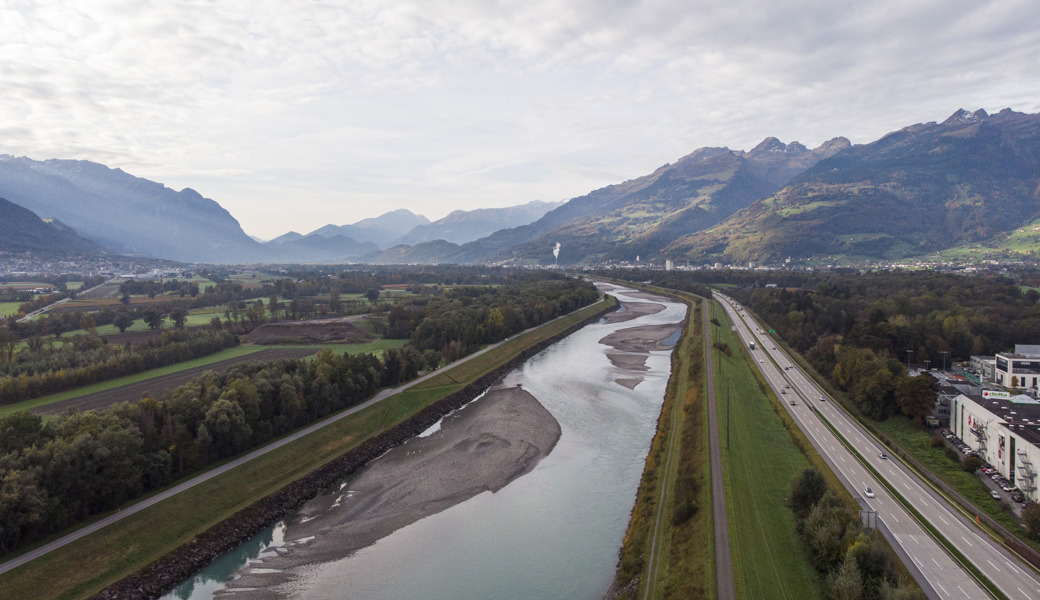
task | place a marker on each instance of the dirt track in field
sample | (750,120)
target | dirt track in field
(159,385)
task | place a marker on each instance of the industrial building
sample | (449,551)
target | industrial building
(1005,431)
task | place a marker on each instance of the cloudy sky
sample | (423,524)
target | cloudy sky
(295,114)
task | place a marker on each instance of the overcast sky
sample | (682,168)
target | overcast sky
(296,114)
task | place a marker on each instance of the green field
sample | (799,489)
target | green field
(121,381)
(81,569)
(768,558)
(9,308)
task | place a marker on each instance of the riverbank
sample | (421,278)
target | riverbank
(482,447)
(198,551)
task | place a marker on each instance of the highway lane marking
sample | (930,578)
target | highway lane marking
(893,515)
(969,543)
(936,562)
(993,565)
(1012,567)
(943,589)
(943,520)
(1023,592)
(963,592)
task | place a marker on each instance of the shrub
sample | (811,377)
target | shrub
(971,463)
(937,441)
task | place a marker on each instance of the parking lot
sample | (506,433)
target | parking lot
(1000,488)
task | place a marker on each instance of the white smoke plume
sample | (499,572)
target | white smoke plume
(556,251)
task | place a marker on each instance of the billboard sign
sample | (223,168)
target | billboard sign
(995,394)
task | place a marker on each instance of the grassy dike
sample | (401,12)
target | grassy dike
(764,453)
(685,563)
(85,567)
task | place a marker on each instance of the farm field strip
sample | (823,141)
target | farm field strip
(223,355)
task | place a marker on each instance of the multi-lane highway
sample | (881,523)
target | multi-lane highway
(948,579)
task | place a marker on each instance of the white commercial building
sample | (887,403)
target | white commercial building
(1018,369)
(1005,431)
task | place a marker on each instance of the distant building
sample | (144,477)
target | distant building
(1018,369)
(984,366)
(1005,431)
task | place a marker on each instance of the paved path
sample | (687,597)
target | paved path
(138,507)
(723,558)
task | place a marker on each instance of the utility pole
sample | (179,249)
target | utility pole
(908,360)
(727,413)
(944,353)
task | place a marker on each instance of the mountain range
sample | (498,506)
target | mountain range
(972,180)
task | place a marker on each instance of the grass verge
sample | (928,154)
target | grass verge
(685,562)
(764,454)
(83,568)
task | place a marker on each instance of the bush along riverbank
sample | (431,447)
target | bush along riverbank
(170,570)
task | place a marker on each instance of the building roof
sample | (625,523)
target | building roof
(1021,414)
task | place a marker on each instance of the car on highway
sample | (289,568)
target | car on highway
(761,360)
(822,399)
(869,493)
(783,391)
(792,403)
(882,456)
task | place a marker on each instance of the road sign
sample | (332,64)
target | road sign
(772,331)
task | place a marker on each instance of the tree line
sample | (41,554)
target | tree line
(464,318)
(855,563)
(45,369)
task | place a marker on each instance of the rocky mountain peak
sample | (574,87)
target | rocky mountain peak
(963,116)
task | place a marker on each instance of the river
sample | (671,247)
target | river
(551,533)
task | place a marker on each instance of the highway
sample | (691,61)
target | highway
(1012,576)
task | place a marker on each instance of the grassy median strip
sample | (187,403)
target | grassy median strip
(83,568)
(763,457)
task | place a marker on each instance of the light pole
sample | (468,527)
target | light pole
(908,360)
(944,353)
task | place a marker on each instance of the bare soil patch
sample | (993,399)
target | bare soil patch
(157,386)
(339,330)
(641,339)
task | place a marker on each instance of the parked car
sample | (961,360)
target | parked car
(869,493)
(995,494)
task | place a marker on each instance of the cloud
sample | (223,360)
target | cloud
(350,108)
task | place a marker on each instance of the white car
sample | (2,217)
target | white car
(869,493)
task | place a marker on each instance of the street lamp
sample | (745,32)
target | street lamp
(944,353)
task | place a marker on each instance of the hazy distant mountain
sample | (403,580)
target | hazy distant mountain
(317,248)
(463,226)
(927,187)
(21,229)
(127,213)
(643,215)
(292,236)
(381,230)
